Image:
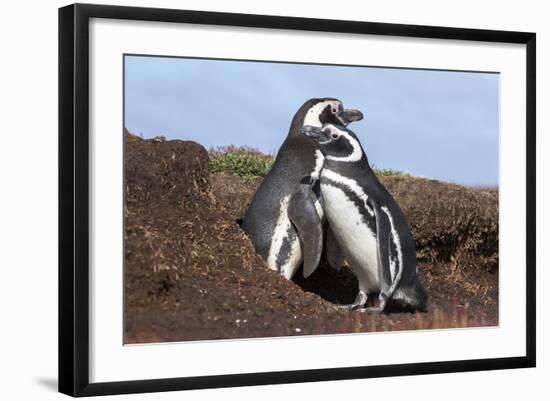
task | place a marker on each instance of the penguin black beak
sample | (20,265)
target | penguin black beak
(314,133)
(351,115)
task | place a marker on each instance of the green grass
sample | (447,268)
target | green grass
(243,161)
(249,163)
(385,172)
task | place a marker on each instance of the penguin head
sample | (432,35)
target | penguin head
(318,112)
(336,142)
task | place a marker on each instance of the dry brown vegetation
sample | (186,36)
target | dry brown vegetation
(191,273)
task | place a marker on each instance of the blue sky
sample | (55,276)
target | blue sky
(437,124)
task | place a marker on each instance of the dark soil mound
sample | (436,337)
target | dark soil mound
(167,172)
(191,273)
(449,222)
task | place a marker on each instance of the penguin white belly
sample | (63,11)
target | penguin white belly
(357,241)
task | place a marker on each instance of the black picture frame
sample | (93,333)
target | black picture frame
(74,198)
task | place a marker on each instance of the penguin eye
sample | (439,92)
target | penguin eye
(334,110)
(334,135)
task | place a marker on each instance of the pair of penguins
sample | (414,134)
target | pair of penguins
(321,175)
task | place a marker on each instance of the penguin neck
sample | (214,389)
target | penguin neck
(297,123)
(342,166)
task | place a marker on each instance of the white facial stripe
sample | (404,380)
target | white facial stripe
(312,116)
(396,278)
(357,152)
(281,229)
(350,184)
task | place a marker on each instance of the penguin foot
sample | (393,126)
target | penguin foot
(375,310)
(382,301)
(360,301)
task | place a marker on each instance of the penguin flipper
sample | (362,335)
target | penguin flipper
(304,216)
(335,256)
(383,233)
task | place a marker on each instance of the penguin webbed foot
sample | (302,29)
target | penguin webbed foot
(382,301)
(360,301)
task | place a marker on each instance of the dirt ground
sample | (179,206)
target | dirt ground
(192,274)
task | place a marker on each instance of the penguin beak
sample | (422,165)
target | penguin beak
(314,133)
(351,115)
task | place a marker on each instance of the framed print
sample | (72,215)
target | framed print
(250,199)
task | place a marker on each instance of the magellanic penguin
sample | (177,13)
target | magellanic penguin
(367,222)
(284,219)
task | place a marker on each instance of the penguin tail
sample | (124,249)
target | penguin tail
(411,297)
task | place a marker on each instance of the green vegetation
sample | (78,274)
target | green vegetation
(243,161)
(249,163)
(384,172)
